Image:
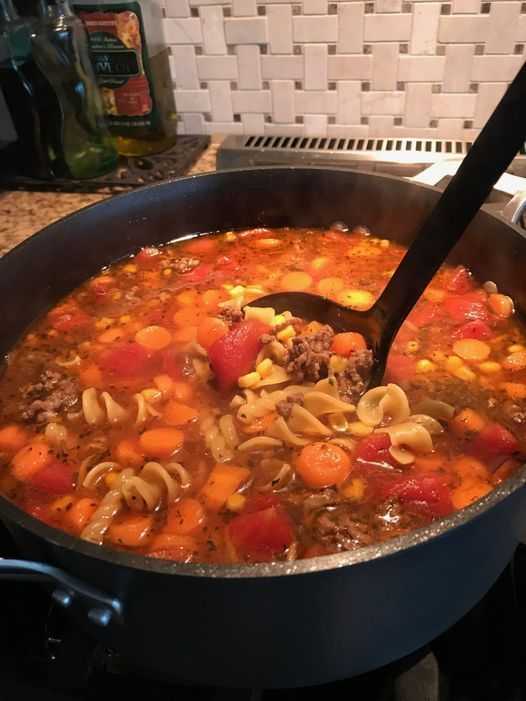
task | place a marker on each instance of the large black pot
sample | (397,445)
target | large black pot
(281,624)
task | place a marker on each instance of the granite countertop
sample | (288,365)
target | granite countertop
(23,213)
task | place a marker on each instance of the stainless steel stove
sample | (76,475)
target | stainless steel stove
(431,161)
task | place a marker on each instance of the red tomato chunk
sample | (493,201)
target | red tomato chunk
(234,354)
(259,534)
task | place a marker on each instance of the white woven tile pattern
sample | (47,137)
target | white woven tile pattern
(424,68)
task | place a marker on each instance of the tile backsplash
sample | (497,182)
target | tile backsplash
(317,68)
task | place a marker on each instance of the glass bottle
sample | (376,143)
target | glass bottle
(60,49)
(133,71)
(29,97)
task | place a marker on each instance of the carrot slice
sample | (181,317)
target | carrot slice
(323,465)
(154,337)
(469,492)
(80,513)
(296,281)
(132,531)
(222,482)
(347,343)
(176,414)
(91,376)
(330,286)
(128,452)
(185,518)
(210,330)
(161,442)
(182,391)
(13,438)
(30,459)
(188,316)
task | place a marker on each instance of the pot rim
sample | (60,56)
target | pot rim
(437,529)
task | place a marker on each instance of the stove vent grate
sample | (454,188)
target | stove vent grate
(387,154)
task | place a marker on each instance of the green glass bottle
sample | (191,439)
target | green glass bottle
(30,100)
(60,49)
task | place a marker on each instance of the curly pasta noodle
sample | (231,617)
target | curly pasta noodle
(151,486)
(302,421)
(220,437)
(93,475)
(108,508)
(279,429)
(145,410)
(259,443)
(95,414)
(409,435)
(381,402)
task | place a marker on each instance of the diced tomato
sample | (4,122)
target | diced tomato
(468,307)
(54,478)
(68,317)
(259,502)
(494,440)
(425,493)
(473,329)
(101,286)
(373,451)
(460,281)
(261,535)
(423,314)
(147,257)
(126,360)
(198,274)
(226,268)
(234,354)
(400,368)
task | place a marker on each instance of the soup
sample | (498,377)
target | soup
(154,410)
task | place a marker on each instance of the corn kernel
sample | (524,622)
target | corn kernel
(337,363)
(249,380)
(167,272)
(278,320)
(116,295)
(319,263)
(490,367)
(111,479)
(125,318)
(228,286)
(384,243)
(516,348)
(104,323)
(358,429)
(237,291)
(464,373)
(152,395)
(412,346)
(130,268)
(62,504)
(354,490)
(425,365)
(453,363)
(235,502)
(286,333)
(265,367)
(230,237)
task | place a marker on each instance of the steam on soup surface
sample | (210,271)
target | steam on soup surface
(147,412)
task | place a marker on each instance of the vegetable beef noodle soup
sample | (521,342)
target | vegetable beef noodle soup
(155,410)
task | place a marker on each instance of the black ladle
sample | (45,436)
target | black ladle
(489,156)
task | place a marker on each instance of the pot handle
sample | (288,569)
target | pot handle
(102,608)
(514,211)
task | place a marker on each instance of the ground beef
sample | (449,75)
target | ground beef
(43,400)
(185,264)
(309,355)
(337,526)
(284,408)
(231,315)
(352,382)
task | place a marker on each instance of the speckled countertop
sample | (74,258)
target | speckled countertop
(23,213)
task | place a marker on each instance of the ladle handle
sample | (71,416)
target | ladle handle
(491,153)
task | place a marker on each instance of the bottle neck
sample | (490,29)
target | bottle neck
(55,9)
(7,11)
